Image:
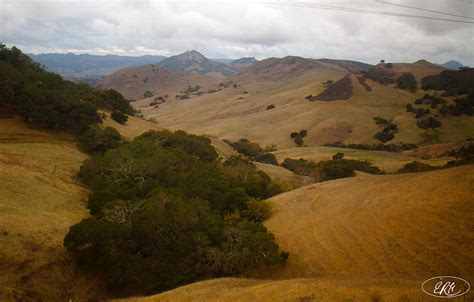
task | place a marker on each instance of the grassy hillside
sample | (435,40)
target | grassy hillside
(233,289)
(365,227)
(39,201)
(243,111)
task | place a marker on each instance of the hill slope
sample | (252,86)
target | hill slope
(39,201)
(193,62)
(133,82)
(270,97)
(365,227)
(359,239)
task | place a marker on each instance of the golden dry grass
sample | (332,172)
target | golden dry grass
(39,201)
(287,179)
(233,114)
(298,290)
(134,127)
(395,226)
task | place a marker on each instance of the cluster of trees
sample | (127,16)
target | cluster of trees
(336,168)
(253,151)
(166,212)
(429,122)
(431,100)
(454,83)
(379,147)
(298,137)
(119,117)
(148,94)
(388,131)
(45,100)
(407,81)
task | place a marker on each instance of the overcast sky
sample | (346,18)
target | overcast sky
(232,29)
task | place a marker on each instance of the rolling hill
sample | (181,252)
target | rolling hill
(133,82)
(39,200)
(271,99)
(359,239)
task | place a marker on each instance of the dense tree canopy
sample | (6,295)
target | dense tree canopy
(45,100)
(166,212)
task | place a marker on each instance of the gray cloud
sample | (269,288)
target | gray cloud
(239,28)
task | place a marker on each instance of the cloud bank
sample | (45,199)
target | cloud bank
(232,29)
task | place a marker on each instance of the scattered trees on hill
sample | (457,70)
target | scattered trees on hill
(388,132)
(379,147)
(407,81)
(166,213)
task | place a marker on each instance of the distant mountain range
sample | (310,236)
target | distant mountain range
(453,65)
(93,68)
(89,68)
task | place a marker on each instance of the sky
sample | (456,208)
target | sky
(335,29)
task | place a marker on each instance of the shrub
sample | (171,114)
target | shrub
(299,140)
(270,107)
(97,140)
(119,117)
(147,94)
(416,167)
(429,122)
(338,155)
(384,136)
(420,112)
(257,210)
(410,108)
(407,81)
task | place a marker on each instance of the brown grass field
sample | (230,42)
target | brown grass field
(39,201)
(365,238)
(241,112)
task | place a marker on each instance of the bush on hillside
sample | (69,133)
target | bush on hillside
(147,94)
(119,117)
(429,122)
(96,140)
(407,81)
